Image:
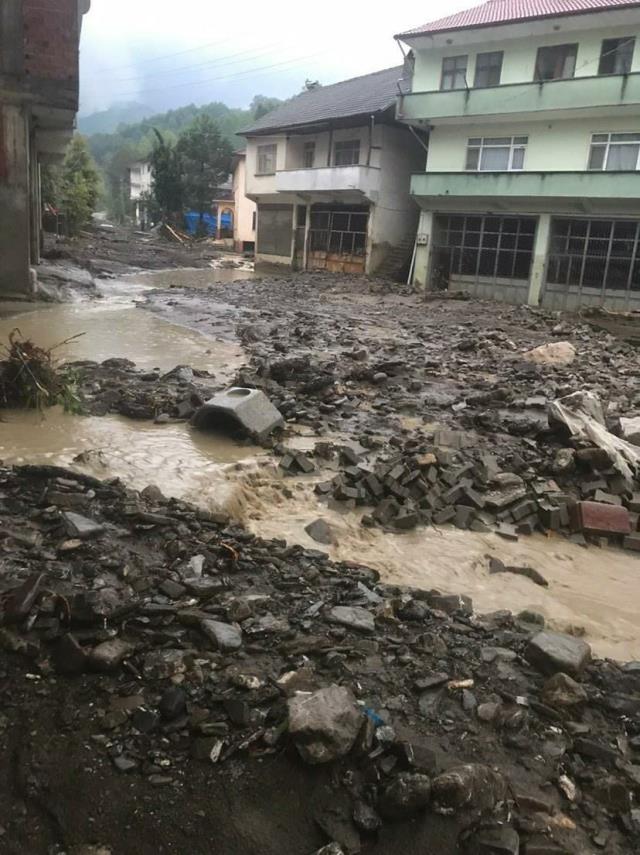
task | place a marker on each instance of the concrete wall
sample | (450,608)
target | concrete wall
(243,230)
(520,52)
(51,35)
(15,229)
(394,218)
(560,145)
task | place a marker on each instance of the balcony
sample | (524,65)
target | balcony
(527,185)
(364,180)
(584,94)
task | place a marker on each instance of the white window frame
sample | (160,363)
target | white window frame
(482,144)
(341,147)
(266,159)
(608,144)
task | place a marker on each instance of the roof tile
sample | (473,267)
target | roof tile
(371,93)
(511,11)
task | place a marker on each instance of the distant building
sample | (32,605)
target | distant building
(531,191)
(244,227)
(330,172)
(39,51)
(140,180)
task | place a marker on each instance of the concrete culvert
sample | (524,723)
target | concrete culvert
(239,412)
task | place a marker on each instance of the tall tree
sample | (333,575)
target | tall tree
(205,162)
(167,185)
(263,104)
(79,184)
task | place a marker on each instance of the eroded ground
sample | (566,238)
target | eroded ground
(378,387)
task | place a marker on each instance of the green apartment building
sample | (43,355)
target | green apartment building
(531,191)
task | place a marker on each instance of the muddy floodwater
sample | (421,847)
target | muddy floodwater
(588,588)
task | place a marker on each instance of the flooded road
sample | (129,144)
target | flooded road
(588,589)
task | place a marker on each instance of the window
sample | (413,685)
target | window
(253,221)
(346,153)
(599,254)
(556,63)
(615,152)
(484,246)
(488,68)
(454,72)
(308,155)
(486,154)
(616,56)
(266,159)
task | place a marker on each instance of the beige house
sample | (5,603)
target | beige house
(330,173)
(244,224)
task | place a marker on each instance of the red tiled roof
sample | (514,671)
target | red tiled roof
(511,11)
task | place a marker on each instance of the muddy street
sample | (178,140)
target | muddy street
(163,584)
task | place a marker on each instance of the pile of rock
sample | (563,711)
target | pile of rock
(197,642)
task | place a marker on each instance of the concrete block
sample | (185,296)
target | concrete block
(598,518)
(247,410)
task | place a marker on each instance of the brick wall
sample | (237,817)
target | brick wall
(51,39)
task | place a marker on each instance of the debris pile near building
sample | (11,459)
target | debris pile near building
(191,641)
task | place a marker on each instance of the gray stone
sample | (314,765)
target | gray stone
(354,617)
(324,725)
(80,526)
(225,636)
(108,655)
(551,652)
(247,409)
(320,531)
(562,692)
(408,794)
(501,840)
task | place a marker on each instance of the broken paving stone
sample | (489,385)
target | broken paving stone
(108,655)
(561,692)
(407,795)
(502,840)
(225,636)
(551,652)
(324,725)
(473,788)
(173,703)
(353,617)
(81,526)
(320,531)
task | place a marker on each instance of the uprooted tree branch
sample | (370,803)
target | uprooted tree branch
(31,377)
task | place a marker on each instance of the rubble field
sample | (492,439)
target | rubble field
(175,683)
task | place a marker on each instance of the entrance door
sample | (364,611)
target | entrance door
(338,238)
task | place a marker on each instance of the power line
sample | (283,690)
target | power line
(249,54)
(168,55)
(237,75)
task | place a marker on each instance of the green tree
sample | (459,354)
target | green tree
(263,104)
(205,162)
(167,185)
(79,184)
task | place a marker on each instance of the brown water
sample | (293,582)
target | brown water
(593,589)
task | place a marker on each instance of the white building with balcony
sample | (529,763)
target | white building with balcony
(330,173)
(531,191)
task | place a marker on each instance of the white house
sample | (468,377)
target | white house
(244,224)
(330,171)
(531,191)
(140,179)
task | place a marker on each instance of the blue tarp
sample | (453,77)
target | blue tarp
(210,222)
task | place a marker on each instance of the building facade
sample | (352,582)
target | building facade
(39,85)
(244,224)
(330,172)
(140,183)
(531,191)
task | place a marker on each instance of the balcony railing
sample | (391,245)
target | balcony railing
(594,185)
(324,179)
(576,93)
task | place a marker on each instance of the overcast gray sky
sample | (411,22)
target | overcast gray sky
(167,53)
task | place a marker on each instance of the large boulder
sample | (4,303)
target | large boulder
(551,652)
(554,353)
(324,724)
